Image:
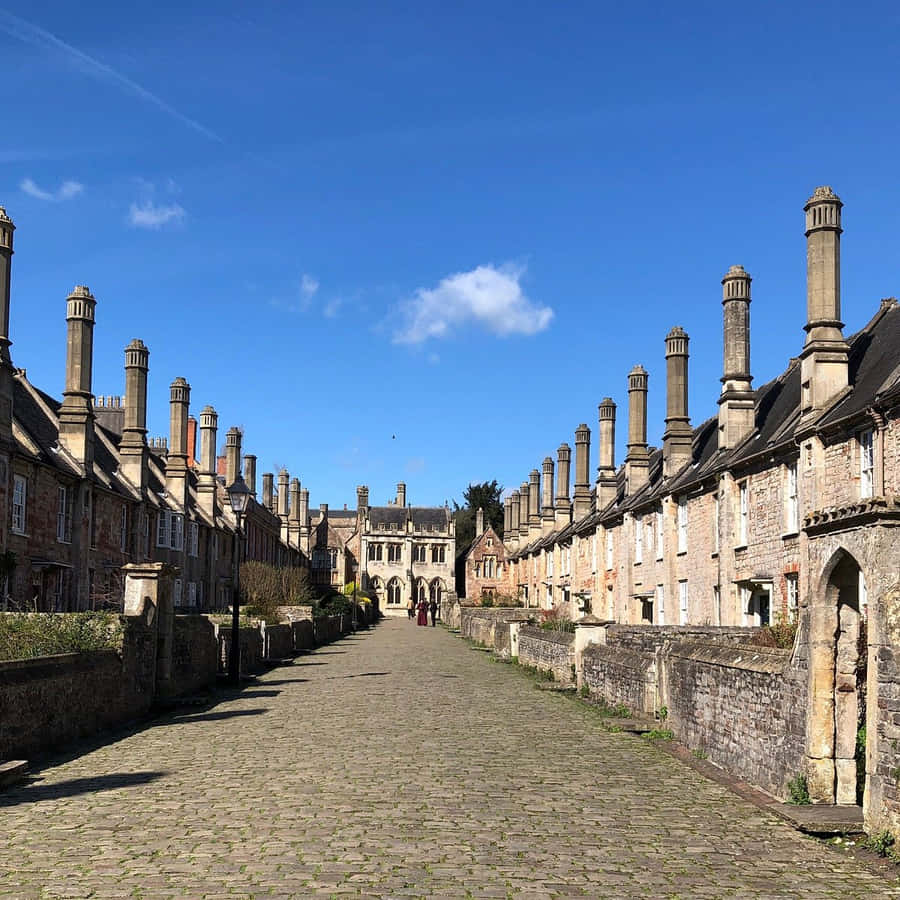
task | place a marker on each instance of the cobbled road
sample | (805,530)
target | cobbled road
(397,763)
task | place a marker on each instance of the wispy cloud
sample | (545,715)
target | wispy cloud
(66,191)
(332,307)
(40,38)
(151,215)
(489,296)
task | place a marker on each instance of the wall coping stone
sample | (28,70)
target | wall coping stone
(772,660)
(540,634)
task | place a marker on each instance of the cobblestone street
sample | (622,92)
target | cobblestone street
(397,763)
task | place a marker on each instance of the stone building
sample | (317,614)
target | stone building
(485,563)
(781,505)
(84,491)
(405,552)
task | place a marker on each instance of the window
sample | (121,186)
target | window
(375,552)
(395,553)
(162,531)
(177,594)
(682,523)
(64,515)
(490,542)
(683,602)
(660,533)
(194,542)
(420,553)
(792,583)
(866,464)
(332,558)
(567,559)
(660,604)
(478,570)
(792,509)
(743,514)
(123,530)
(717,604)
(638,540)
(438,552)
(176,531)
(549,597)
(393,592)
(609,548)
(192,593)
(549,563)
(489,563)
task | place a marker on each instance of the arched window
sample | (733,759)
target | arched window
(436,590)
(421,590)
(393,592)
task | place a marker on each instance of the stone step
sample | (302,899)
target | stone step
(555,686)
(13,771)
(821,819)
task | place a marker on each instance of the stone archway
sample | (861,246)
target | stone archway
(837,683)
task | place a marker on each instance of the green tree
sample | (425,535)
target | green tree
(485,495)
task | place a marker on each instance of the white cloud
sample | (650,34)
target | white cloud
(308,286)
(66,191)
(489,296)
(152,215)
(330,310)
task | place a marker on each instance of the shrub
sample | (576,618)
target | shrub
(265,587)
(781,634)
(798,790)
(487,600)
(29,635)
(881,843)
(556,619)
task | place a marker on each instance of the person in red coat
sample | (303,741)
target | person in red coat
(423,613)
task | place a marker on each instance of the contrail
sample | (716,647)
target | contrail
(38,37)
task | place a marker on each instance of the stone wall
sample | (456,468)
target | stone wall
(547,650)
(620,675)
(327,629)
(278,642)
(251,644)
(194,659)
(744,706)
(303,635)
(294,613)
(489,626)
(47,703)
(650,638)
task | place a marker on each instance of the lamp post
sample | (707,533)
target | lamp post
(239,497)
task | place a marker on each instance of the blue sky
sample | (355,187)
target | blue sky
(421,242)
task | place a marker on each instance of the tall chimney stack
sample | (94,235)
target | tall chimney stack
(284,479)
(582,472)
(176,461)
(737,403)
(824,359)
(133,446)
(534,504)
(206,478)
(76,415)
(511,536)
(401,494)
(479,522)
(304,520)
(523,512)
(294,514)
(250,473)
(268,491)
(678,435)
(637,458)
(6,371)
(232,456)
(507,510)
(606,467)
(548,514)
(563,512)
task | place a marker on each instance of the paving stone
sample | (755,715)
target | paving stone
(378,776)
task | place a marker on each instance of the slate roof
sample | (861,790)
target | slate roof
(434,517)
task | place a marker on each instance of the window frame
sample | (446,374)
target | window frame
(866,441)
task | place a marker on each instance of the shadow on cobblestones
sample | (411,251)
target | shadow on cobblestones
(35,793)
(209,717)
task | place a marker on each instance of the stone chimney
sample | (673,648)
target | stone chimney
(401,494)
(6,371)
(176,462)
(284,479)
(606,467)
(548,514)
(678,436)
(304,520)
(737,403)
(232,455)
(192,442)
(523,512)
(362,497)
(133,446)
(511,536)
(479,522)
(250,473)
(534,504)
(563,512)
(637,457)
(294,514)
(507,509)
(206,478)
(582,472)
(824,359)
(268,490)
(76,415)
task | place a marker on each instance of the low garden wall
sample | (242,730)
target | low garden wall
(302,635)
(621,675)
(552,651)
(327,629)
(489,626)
(194,657)
(251,646)
(48,702)
(278,642)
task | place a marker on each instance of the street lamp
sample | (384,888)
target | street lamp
(239,496)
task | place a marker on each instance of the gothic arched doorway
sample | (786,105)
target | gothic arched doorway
(838,655)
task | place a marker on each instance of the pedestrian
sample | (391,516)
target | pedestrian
(432,607)
(423,612)
(409,609)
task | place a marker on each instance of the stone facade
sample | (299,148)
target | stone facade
(782,506)
(485,564)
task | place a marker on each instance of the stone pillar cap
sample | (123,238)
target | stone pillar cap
(591,619)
